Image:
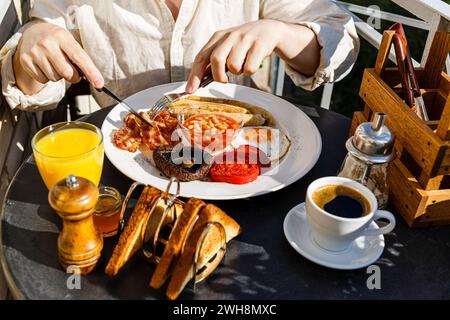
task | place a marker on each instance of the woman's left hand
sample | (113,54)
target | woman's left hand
(242,49)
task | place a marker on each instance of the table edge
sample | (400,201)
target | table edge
(12,286)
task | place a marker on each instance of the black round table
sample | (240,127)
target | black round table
(260,263)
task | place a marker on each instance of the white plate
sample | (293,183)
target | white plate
(363,252)
(304,152)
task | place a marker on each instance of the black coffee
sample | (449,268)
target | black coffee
(344,207)
(341,201)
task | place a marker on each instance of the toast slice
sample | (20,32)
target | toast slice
(184,103)
(131,239)
(226,105)
(176,238)
(140,228)
(156,216)
(183,271)
(247,119)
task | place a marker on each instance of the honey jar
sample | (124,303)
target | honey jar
(107,211)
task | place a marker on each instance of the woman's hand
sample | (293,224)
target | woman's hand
(242,50)
(47,52)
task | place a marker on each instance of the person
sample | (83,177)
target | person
(132,45)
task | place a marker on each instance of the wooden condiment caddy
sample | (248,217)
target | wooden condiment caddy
(419,177)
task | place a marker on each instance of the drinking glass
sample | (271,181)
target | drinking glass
(68,148)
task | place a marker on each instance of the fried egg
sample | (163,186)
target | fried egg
(272,141)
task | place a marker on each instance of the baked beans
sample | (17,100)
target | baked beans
(210,128)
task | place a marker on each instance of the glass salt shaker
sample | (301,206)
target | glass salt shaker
(369,152)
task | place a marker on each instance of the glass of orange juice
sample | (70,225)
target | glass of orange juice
(68,148)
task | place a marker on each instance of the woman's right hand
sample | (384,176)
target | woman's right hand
(47,52)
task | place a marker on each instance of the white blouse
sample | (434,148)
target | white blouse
(137,44)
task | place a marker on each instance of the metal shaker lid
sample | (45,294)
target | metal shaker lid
(372,141)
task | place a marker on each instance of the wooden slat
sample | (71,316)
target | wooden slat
(443,129)
(437,206)
(367,112)
(383,52)
(446,161)
(432,124)
(436,59)
(403,191)
(426,148)
(430,183)
(437,23)
(392,78)
(435,196)
(398,149)
(444,84)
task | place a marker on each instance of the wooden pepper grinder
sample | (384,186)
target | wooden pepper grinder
(79,243)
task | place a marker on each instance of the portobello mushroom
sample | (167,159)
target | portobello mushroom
(185,163)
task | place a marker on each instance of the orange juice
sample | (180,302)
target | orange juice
(72,148)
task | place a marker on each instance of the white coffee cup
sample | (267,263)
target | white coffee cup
(336,233)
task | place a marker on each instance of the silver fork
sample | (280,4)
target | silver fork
(164,102)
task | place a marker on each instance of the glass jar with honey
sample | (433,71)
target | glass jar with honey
(107,211)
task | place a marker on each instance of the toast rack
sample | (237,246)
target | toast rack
(156,245)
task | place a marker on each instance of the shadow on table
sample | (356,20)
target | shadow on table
(47,213)
(242,275)
(29,181)
(37,246)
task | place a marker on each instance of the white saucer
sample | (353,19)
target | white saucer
(361,253)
